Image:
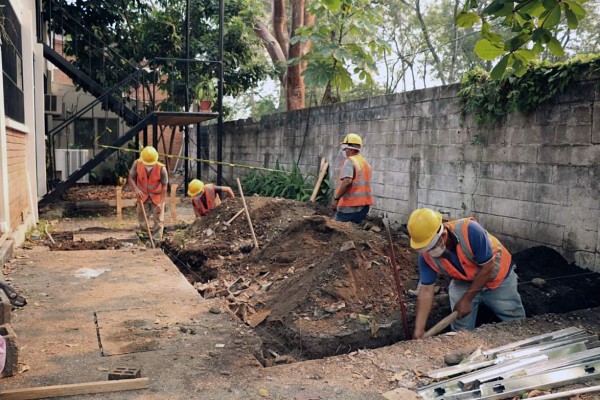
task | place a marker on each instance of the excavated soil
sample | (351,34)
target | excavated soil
(316,287)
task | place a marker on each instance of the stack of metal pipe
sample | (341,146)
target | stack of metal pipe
(546,361)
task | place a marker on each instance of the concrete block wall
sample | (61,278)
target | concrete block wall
(529,179)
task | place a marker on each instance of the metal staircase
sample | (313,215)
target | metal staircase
(126,89)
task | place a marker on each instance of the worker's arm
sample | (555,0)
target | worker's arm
(225,189)
(424,303)
(196,211)
(133,186)
(343,187)
(463,306)
(164,180)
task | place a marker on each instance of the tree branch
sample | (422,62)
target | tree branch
(280,26)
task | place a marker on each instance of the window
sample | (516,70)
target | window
(12,63)
(83,133)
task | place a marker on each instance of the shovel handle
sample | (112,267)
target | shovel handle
(437,328)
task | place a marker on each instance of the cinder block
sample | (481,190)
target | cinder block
(5,309)
(11,367)
(124,373)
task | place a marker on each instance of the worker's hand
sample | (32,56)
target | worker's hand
(139,193)
(463,307)
(334,205)
(418,333)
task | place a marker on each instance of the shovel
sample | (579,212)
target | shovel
(147,224)
(437,328)
(228,223)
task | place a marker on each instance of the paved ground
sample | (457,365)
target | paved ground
(149,317)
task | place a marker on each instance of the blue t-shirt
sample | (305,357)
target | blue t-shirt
(480,245)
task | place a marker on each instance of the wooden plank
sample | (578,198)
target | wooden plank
(44,392)
(119,204)
(322,172)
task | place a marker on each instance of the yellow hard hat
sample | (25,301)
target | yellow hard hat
(195,187)
(149,156)
(352,138)
(425,228)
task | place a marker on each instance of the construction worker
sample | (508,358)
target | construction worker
(481,268)
(352,199)
(206,197)
(149,179)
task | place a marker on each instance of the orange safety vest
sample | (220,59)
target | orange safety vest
(149,184)
(359,193)
(212,200)
(502,258)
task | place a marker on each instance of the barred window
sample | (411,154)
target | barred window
(12,63)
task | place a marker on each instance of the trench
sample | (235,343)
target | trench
(547,284)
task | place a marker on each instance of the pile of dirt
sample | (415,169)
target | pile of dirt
(82,192)
(314,282)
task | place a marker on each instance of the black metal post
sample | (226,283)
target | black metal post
(187,90)
(220,100)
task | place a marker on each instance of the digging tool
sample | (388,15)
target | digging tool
(437,328)
(147,224)
(247,213)
(399,287)
(234,217)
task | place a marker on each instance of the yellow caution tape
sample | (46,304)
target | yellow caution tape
(200,160)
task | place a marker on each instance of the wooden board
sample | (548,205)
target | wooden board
(45,392)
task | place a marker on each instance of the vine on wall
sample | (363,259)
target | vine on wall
(489,100)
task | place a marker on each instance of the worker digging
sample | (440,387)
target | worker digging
(205,197)
(149,179)
(481,268)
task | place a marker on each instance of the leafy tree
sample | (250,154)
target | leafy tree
(143,30)
(343,45)
(531,22)
(281,50)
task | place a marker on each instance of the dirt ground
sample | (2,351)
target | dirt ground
(315,287)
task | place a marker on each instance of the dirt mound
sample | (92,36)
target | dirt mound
(104,244)
(311,280)
(81,192)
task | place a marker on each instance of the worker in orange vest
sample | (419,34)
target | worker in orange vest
(148,178)
(352,199)
(481,268)
(206,197)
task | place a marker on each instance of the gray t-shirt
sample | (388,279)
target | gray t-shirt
(164,176)
(348,172)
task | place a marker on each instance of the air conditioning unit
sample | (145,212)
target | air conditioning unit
(67,161)
(52,105)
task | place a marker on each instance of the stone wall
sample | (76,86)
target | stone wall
(530,179)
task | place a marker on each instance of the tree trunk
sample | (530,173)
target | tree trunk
(278,19)
(295,83)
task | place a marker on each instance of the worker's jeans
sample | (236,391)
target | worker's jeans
(504,301)
(356,217)
(158,218)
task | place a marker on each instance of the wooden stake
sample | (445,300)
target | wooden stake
(45,392)
(173,207)
(322,172)
(119,204)
(247,213)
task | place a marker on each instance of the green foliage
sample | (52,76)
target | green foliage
(206,89)
(490,99)
(531,22)
(344,43)
(291,185)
